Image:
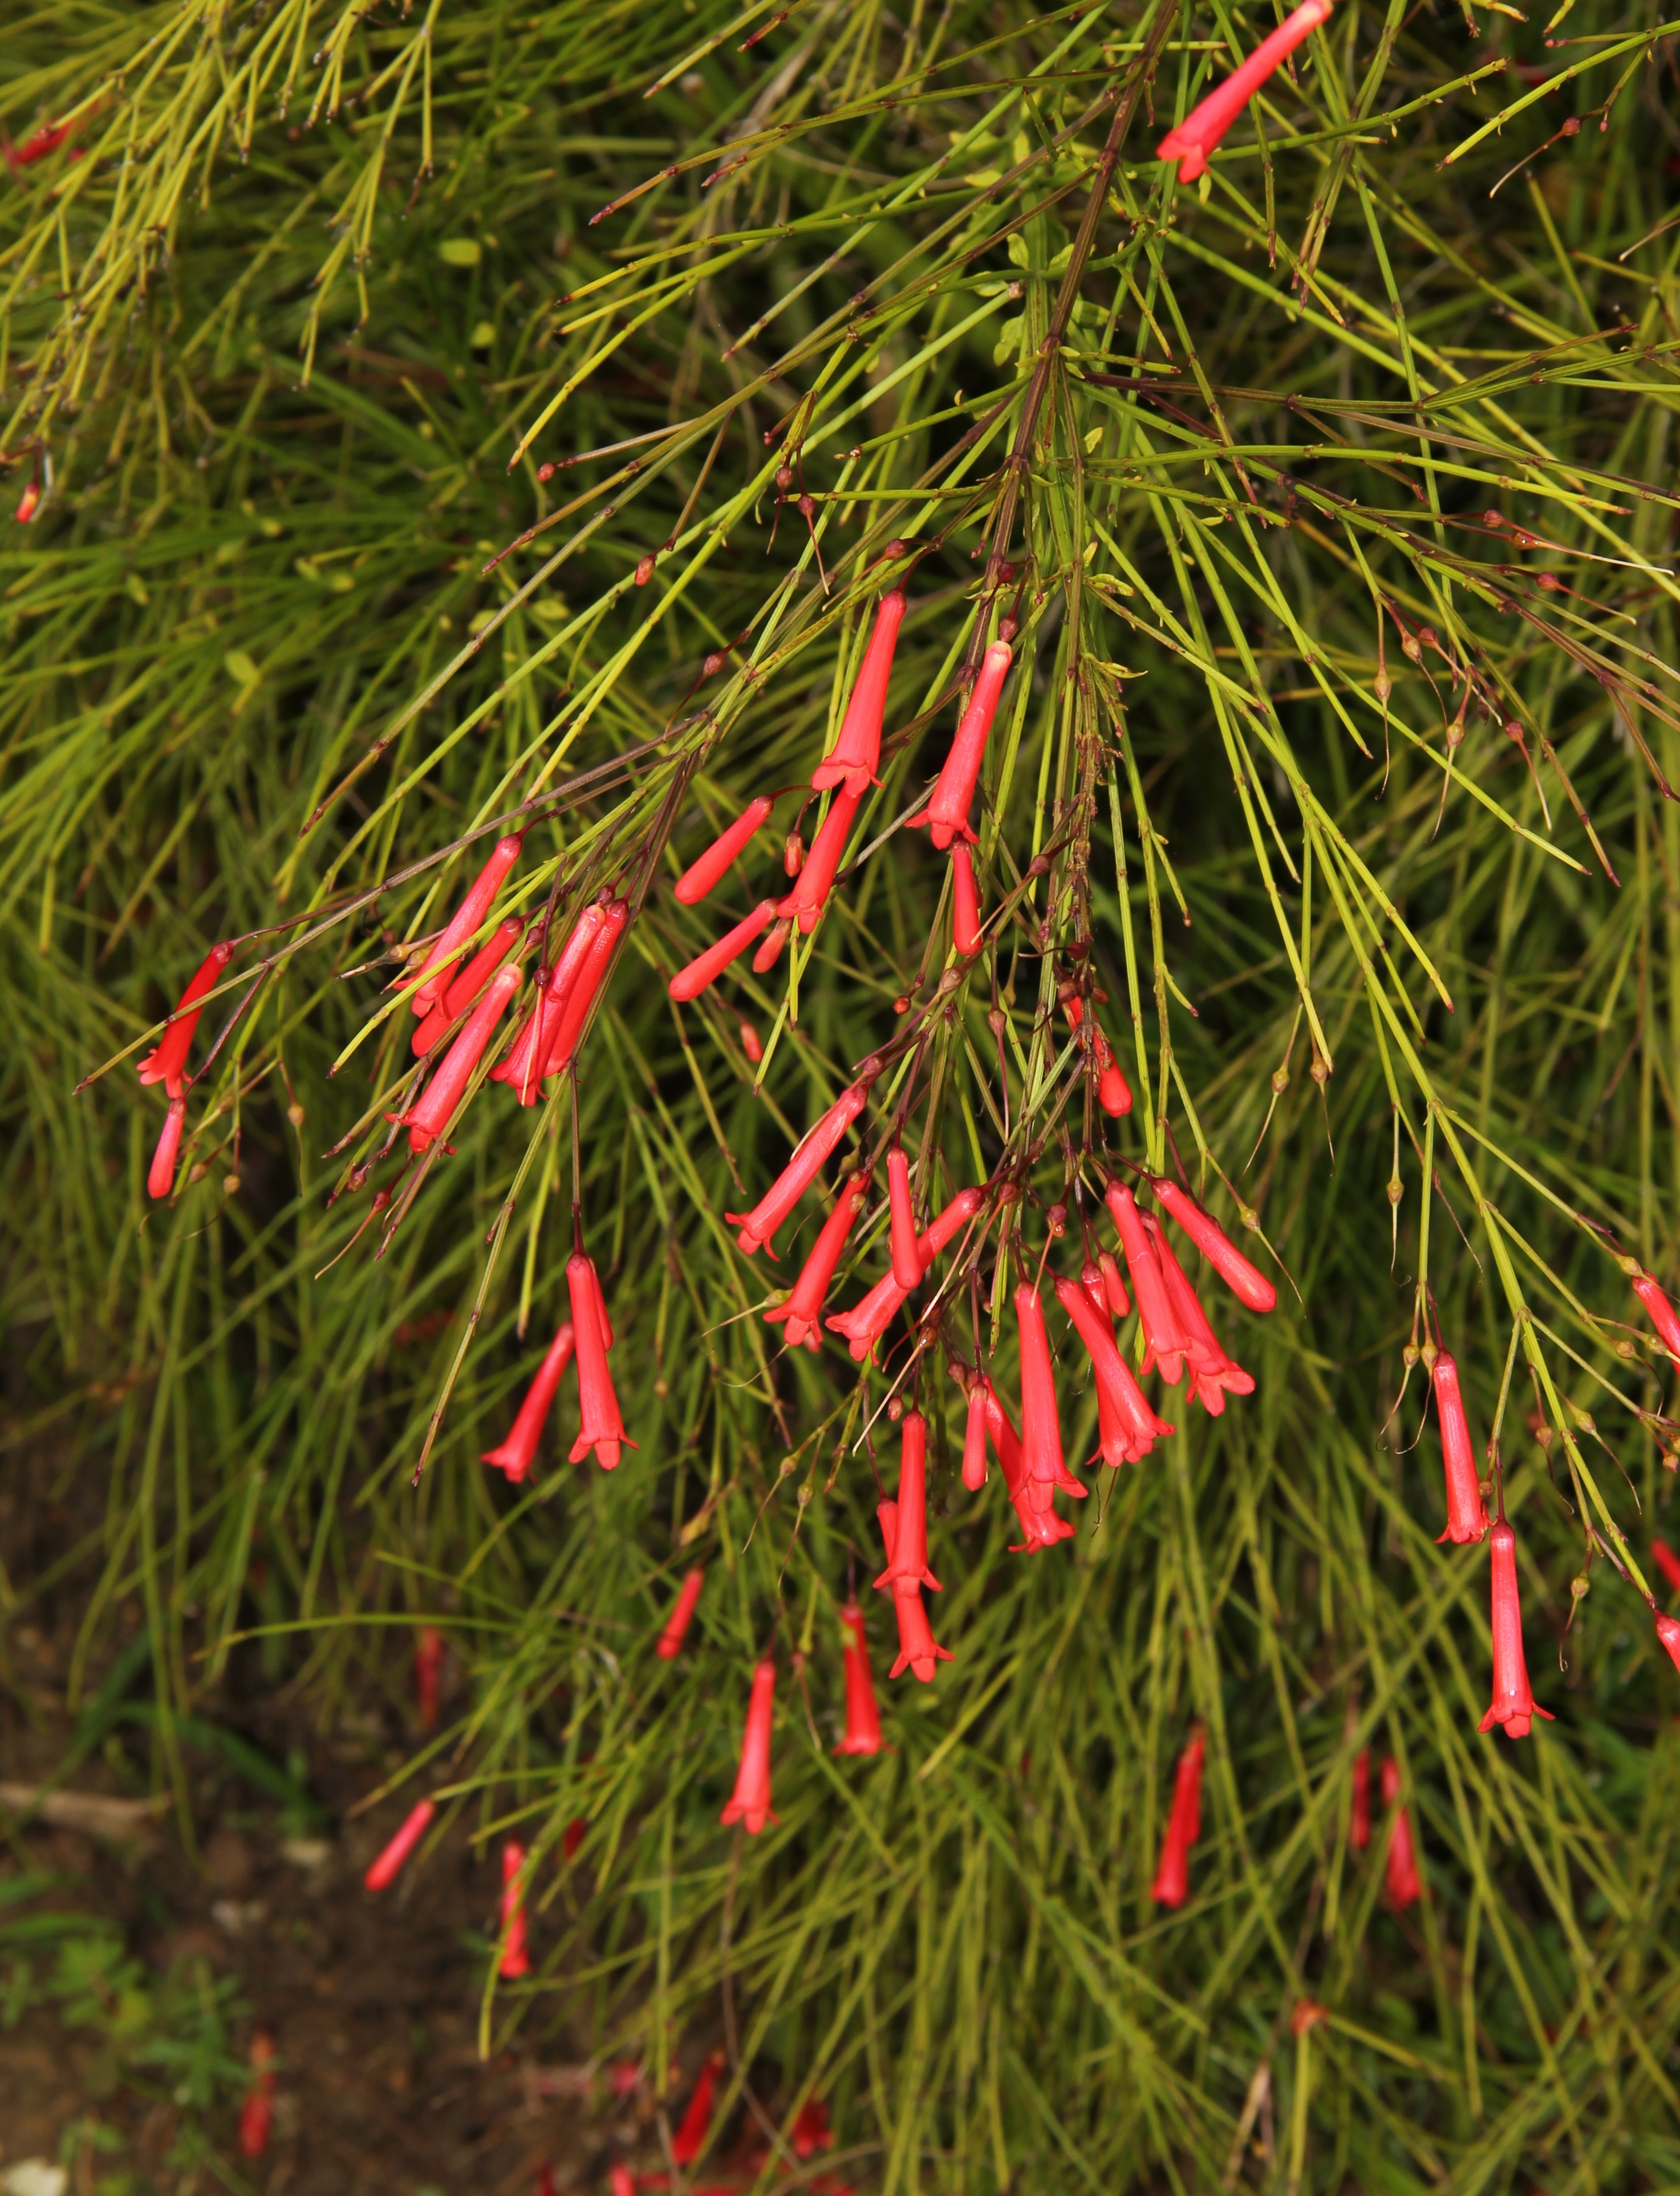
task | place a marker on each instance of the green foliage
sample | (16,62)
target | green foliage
(1335,492)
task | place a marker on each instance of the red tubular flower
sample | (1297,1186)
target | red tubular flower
(1171,1887)
(810,894)
(585,988)
(1667,1562)
(427,1121)
(705,967)
(907,1267)
(161,1179)
(621,2181)
(965,904)
(518,1453)
(946,814)
(524,1069)
(1211,1371)
(974,1440)
(1201,130)
(1405,1884)
(751,1043)
(514,1959)
(601,1429)
(1514,1703)
(428,1673)
(1040,1528)
(803,1309)
(810,2130)
(907,1563)
(166,1063)
(1668,1633)
(917,1651)
(1119,1303)
(1661,1313)
(468,918)
(1245,1280)
(857,753)
(862,1718)
(700,875)
(257,2113)
(669,1644)
(1041,1422)
(1359,1822)
(1162,1331)
(751,1801)
(1128,1427)
(691,2136)
(1114,1093)
(770,951)
(1466,1519)
(468,986)
(390,1863)
(38,144)
(810,1158)
(28,503)
(870,1319)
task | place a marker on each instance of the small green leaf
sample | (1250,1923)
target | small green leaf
(239,667)
(461,251)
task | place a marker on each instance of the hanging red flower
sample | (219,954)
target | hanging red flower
(1405,1884)
(28,503)
(1466,1519)
(1659,1310)
(1211,1371)
(907,1561)
(751,1043)
(160,1180)
(1243,1279)
(702,873)
(965,932)
(427,1120)
(907,1267)
(1668,1632)
(690,2136)
(1171,1887)
(669,1644)
(568,1014)
(863,1717)
(803,1309)
(392,1860)
(467,987)
(705,967)
(1041,1422)
(974,1440)
(812,1155)
(856,755)
(810,895)
(1040,1528)
(514,1958)
(1207,122)
(946,814)
(523,1068)
(1114,1093)
(437,973)
(1667,1562)
(870,1317)
(1127,1426)
(256,2114)
(602,1429)
(166,1063)
(1119,1303)
(518,1453)
(1514,1704)
(751,1801)
(1162,1331)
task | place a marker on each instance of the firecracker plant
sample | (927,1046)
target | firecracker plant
(841,870)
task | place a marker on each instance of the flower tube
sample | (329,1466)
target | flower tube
(690,2139)
(704,970)
(811,892)
(465,922)
(946,815)
(160,1181)
(1400,1866)
(1660,1311)
(1244,1279)
(1134,1428)
(811,1156)
(469,984)
(1171,1887)
(1211,1371)
(426,1121)
(392,1860)
(907,1267)
(863,1717)
(518,1453)
(870,1319)
(750,1803)
(1114,1093)
(581,994)
(1207,122)
(1040,1528)
(856,756)
(702,873)
(1466,1519)
(1166,1338)
(669,1644)
(1041,1422)
(1514,1704)
(907,1563)
(166,1062)
(966,933)
(515,1958)
(803,1309)
(601,1427)
(974,1441)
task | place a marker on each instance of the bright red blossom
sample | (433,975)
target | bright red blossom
(966,932)
(467,987)
(803,1309)
(568,1015)
(1244,1279)
(702,874)
(1040,1528)
(1466,1519)
(166,1063)
(1201,130)
(705,967)
(906,1254)
(1514,1704)
(1211,1371)
(602,1428)
(1667,1562)
(857,753)
(907,1561)
(1041,1422)
(1660,1311)
(870,1319)
(813,1153)
(1167,1342)
(390,1865)
(750,1803)
(863,1717)
(160,1181)
(1128,1428)
(514,1959)
(468,919)
(1114,1093)
(28,503)
(669,1644)
(690,2136)
(427,1120)
(974,1440)
(518,1453)
(1400,1866)
(523,1069)
(946,814)
(810,894)
(1171,1887)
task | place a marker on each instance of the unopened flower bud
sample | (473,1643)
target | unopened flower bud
(644,570)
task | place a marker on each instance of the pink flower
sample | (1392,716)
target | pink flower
(389,1866)
(1201,130)
(1041,1422)
(870,1319)
(810,894)
(1405,1884)
(760,1224)
(1040,1528)
(161,1179)
(1216,1247)
(1128,1429)
(702,874)
(974,1440)
(669,1644)
(166,1063)
(1514,1704)
(1211,1371)
(705,967)
(518,1453)
(28,503)
(465,922)
(514,1958)
(1114,1093)
(467,987)
(569,1013)
(751,1801)
(524,1067)
(906,1256)
(1466,1519)
(803,1309)
(1166,1339)
(863,1717)
(907,1561)
(857,753)
(602,1429)
(427,1120)
(946,814)
(1171,1887)
(966,932)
